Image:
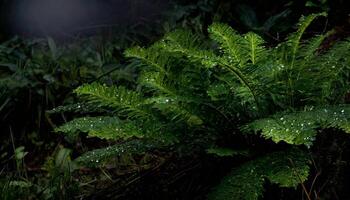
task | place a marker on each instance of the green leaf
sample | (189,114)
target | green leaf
(20,153)
(63,160)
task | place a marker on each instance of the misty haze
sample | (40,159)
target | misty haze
(67,17)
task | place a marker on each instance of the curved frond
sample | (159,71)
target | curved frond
(101,127)
(76,108)
(185,43)
(98,157)
(168,101)
(231,42)
(310,48)
(286,168)
(157,82)
(173,109)
(301,127)
(150,56)
(125,102)
(294,39)
(256,49)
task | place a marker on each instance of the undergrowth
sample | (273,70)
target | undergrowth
(194,92)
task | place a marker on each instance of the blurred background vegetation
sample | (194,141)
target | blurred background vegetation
(41,62)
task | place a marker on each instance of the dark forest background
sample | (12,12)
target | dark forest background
(76,18)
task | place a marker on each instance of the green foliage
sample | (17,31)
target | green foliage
(301,127)
(232,43)
(103,127)
(38,74)
(119,99)
(58,182)
(294,39)
(321,5)
(286,168)
(98,157)
(13,189)
(193,93)
(223,152)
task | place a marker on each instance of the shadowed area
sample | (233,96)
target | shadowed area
(62,18)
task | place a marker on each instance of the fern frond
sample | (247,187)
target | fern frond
(256,49)
(243,184)
(182,38)
(125,102)
(218,91)
(309,49)
(157,82)
(173,109)
(77,108)
(149,56)
(301,127)
(209,59)
(101,127)
(175,42)
(112,128)
(231,42)
(295,39)
(340,51)
(185,43)
(167,99)
(286,168)
(99,157)
(224,152)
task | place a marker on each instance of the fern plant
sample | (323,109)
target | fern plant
(194,92)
